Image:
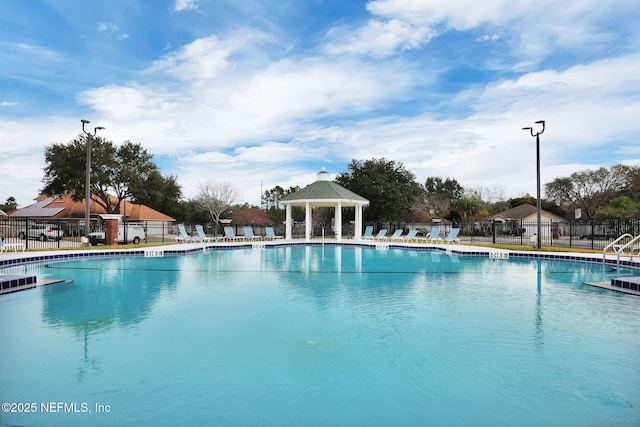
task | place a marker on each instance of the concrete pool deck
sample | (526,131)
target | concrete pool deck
(17,282)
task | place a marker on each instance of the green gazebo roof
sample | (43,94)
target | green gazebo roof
(324,191)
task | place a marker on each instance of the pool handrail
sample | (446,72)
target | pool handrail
(619,248)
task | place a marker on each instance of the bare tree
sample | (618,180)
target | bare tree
(493,196)
(588,190)
(215,198)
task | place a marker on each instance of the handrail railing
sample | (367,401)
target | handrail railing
(619,249)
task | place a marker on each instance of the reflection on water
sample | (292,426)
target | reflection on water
(118,291)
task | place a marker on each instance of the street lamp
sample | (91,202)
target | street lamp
(87,194)
(538,202)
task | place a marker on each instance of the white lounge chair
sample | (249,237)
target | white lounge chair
(229,234)
(397,235)
(411,236)
(202,236)
(381,234)
(434,236)
(248,234)
(6,247)
(452,237)
(368,232)
(183,237)
(270,234)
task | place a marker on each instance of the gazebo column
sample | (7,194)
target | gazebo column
(338,221)
(357,232)
(307,221)
(288,223)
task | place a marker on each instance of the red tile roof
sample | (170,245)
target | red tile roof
(64,207)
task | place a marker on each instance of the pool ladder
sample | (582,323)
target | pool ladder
(625,245)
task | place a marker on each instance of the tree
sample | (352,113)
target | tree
(619,207)
(390,188)
(270,201)
(215,198)
(588,190)
(115,171)
(632,187)
(188,212)
(10,205)
(439,195)
(162,193)
(470,207)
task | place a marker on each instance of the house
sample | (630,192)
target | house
(63,207)
(527,216)
(251,216)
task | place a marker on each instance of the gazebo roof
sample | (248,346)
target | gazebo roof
(324,192)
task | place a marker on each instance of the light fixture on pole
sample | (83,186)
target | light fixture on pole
(538,200)
(87,194)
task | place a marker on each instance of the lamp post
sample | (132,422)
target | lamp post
(538,201)
(87,194)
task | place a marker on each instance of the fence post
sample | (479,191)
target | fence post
(493,231)
(26,233)
(520,232)
(58,232)
(570,233)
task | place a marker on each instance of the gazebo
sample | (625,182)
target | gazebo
(326,193)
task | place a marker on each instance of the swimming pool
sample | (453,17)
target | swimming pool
(320,335)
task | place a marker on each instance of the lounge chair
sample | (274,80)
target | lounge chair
(6,247)
(248,234)
(452,237)
(397,235)
(434,236)
(183,237)
(368,232)
(202,237)
(381,234)
(270,234)
(229,234)
(410,237)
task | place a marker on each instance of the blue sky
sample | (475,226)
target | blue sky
(265,93)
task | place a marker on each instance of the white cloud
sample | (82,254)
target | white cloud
(378,38)
(488,38)
(239,98)
(107,26)
(536,28)
(183,5)
(458,14)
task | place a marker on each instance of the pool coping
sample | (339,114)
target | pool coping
(11,283)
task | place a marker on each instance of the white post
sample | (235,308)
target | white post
(307,219)
(357,232)
(338,222)
(288,222)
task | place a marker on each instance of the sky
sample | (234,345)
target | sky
(259,93)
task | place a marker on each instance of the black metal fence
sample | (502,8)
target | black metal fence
(38,233)
(591,234)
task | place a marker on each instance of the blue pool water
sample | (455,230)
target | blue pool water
(320,336)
